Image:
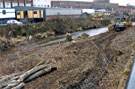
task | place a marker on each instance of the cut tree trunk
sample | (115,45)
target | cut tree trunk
(18,81)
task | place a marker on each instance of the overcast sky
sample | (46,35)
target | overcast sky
(124,2)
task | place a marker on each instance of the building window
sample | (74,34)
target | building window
(34,12)
(18,13)
(4,12)
(7,3)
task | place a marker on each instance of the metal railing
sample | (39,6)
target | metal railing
(131,79)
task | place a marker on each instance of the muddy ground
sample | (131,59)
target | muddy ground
(87,63)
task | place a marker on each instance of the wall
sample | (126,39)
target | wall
(64,16)
(62,11)
(1,5)
(10,13)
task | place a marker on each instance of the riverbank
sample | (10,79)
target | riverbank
(56,26)
(46,31)
(88,62)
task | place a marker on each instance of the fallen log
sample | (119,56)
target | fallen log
(7,80)
(20,86)
(36,69)
(41,73)
(12,85)
(18,81)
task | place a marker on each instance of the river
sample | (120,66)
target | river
(91,32)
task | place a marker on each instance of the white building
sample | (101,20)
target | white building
(13,3)
(7,13)
(42,3)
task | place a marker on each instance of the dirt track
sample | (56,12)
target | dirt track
(87,63)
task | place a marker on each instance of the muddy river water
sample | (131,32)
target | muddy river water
(91,32)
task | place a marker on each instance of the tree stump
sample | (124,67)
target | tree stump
(68,37)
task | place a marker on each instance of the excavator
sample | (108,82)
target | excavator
(120,23)
(98,16)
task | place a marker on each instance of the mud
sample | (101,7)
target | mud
(85,63)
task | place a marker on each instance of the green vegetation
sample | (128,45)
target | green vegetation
(125,73)
(57,25)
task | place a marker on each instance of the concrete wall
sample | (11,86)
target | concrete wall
(51,13)
(62,11)
(64,16)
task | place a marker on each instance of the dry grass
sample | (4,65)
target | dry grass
(80,64)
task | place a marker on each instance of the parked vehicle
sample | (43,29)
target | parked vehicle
(14,22)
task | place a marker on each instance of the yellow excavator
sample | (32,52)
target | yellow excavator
(97,16)
(120,24)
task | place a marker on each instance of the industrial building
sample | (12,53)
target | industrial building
(42,3)
(34,3)
(44,14)
(13,3)
(83,5)
(6,14)
(96,4)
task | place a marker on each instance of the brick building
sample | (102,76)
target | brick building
(97,4)
(83,5)
(13,3)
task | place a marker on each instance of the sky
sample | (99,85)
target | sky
(123,2)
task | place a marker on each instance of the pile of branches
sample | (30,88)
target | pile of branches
(18,81)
